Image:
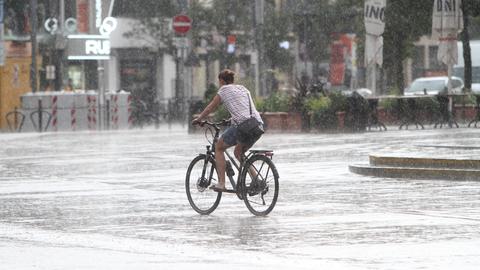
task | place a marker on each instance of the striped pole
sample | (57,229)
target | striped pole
(89,112)
(73,118)
(130,116)
(94,112)
(54,113)
(115,112)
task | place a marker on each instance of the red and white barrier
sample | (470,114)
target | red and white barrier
(78,111)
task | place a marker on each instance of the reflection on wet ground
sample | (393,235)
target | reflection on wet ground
(116,200)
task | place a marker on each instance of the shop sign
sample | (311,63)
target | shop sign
(88,47)
(18,49)
(50,72)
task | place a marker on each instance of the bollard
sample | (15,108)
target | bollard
(40,126)
(107,116)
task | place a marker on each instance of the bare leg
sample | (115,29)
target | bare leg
(220,148)
(239,152)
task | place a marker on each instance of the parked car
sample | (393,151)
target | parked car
(364,92)
(459,69)
(434,86)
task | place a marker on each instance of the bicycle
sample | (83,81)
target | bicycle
(257,178)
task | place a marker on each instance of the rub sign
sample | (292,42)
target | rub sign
(374,15)
(94,46)
(88,47)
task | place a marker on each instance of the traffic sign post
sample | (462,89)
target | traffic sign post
(181,24)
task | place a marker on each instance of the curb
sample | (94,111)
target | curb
(417,173)
(424,162)
(420,168)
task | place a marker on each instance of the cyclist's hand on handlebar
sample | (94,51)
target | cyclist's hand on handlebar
(196,121)
(226,122)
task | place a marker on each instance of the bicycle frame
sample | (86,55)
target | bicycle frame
(211,154)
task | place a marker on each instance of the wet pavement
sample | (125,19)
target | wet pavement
(116,200)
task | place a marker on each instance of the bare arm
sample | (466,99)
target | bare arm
(210,108)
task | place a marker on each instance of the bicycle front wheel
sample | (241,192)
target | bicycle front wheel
(201,174)
(259,185)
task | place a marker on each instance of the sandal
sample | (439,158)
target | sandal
(218,189)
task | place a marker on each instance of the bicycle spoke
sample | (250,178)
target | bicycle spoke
(261,185)
(200,175)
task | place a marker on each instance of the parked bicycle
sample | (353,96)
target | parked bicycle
(256,184)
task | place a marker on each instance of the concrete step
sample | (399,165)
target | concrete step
(417,172)
(420,168)
(418,162)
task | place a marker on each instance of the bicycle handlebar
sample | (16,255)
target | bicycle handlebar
(224,122)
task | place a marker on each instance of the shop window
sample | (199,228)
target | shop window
(137,74)
(75,78)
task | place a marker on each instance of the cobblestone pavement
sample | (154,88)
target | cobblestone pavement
(116,200)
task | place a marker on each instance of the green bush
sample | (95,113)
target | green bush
(339,101)
(276,102)
(314,104)
(322,112)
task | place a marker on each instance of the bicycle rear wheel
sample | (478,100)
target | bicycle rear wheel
(201,174)
(259,185)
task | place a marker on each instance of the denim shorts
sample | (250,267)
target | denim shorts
(230,137)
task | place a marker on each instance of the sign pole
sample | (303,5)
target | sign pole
(33,37)
(449,90)
(181,25)
(374,76)
(101,96)
(2,44)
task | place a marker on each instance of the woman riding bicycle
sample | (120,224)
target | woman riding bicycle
(237,100)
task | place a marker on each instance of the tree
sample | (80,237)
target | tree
(317,22)
(406,21)
(276,30)
(465,36)
(152,25)
(469,8)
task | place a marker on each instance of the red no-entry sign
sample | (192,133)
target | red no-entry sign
(181,24)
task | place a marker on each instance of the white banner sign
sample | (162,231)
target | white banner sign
(447,18)
(447,22)
(374,15)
